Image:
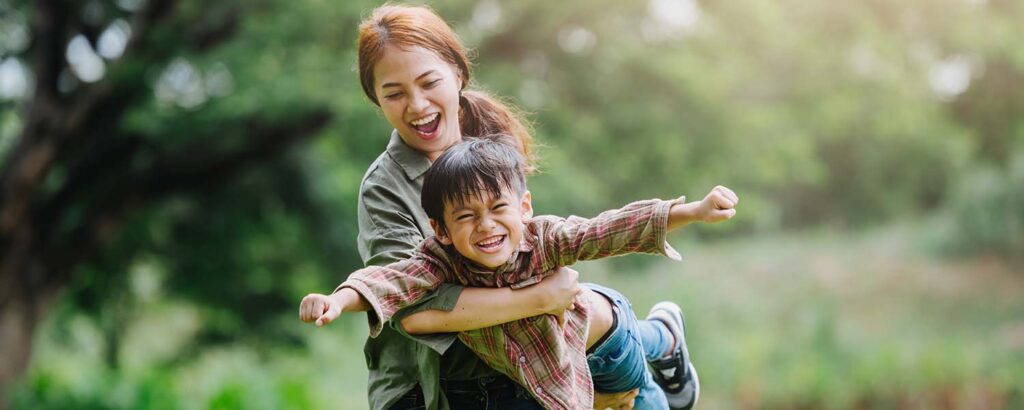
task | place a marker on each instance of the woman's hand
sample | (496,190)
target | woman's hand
(559,292)
(617,401)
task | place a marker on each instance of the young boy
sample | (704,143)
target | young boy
(480,210)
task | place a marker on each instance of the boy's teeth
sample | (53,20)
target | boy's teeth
(490,242)
(425,120)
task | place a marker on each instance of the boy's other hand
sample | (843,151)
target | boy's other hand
(320,309)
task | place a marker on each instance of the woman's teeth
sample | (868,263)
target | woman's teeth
(427,126)
(425,120)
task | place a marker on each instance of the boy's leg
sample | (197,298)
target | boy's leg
(657,339)
(617,363)
(672,368)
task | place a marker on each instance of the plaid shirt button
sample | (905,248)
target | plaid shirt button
(522,359)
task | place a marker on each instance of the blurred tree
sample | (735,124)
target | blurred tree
(78,169)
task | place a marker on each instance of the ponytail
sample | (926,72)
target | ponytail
(483,115)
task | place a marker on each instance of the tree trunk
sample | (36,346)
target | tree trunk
(46,232)
(21,309)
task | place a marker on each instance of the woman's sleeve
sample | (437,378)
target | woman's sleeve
(388,234)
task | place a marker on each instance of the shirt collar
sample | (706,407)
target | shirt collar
(413,162)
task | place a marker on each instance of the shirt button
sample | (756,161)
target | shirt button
(522,359)
(540,390)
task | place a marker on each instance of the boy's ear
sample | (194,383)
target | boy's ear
(440,233)
(526,206)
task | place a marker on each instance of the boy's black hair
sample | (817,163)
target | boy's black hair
(472,167)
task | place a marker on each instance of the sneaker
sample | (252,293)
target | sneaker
(675,374)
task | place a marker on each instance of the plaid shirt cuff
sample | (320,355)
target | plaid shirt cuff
(376,313)
(661,227)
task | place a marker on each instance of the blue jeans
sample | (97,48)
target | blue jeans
(618,363)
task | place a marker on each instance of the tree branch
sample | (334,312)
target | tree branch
(49,36)
(33,154)
(190,170)
(151,12)
(48,127)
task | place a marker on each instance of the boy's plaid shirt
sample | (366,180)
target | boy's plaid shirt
(548,360)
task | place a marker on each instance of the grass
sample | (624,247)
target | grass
(820,320)
(793,321)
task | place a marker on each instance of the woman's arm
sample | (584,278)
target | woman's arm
(478,308)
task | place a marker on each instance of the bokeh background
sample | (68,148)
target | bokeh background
(176,175)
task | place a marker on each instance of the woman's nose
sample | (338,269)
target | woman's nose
(418,103)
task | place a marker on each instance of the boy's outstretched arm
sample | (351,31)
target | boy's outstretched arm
(718,205)
(323,309)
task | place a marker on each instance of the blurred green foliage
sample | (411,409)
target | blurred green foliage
(820,114)
(986,211)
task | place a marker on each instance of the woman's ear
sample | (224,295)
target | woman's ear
(526,206)
(439,232)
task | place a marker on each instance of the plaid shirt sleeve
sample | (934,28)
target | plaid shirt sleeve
(390,288)
(639,227)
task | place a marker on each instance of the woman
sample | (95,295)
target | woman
(414,68)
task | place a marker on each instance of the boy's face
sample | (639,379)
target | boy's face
(486,230)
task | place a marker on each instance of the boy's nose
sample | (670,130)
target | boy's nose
(485,225)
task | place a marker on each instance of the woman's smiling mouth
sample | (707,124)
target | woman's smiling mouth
(427,126)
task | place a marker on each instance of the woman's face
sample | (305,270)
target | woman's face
(419,94)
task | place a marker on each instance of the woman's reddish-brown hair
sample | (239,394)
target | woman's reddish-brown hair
(418,26)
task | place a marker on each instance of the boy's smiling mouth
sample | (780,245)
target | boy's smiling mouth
(491,244)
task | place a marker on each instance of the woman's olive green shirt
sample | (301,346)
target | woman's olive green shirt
(391,224)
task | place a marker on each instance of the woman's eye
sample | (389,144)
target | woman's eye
(463,217)
(499,206)
(392,96)
(432,84)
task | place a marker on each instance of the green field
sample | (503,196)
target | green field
(809,320)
